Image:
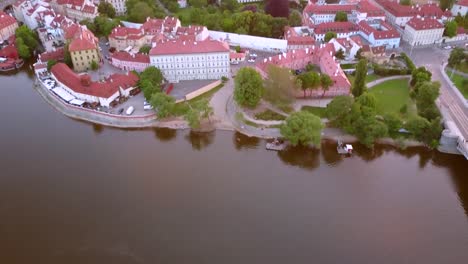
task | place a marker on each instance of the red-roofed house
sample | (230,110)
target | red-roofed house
(130,61)
(379,33)
(314,14)
(57,55)
(84,49)
(8,25)
(124,37)
(298,41)
(192,32)
(81,86)
(342,30)
(322,56)
(348,45)
(423,31)
(460,7)
(191,60)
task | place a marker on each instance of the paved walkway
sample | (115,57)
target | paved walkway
(381,80)
(457,72)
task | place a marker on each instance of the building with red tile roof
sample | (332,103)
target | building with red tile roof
(423,31)
(130,61)
(8,25)
(192,32)
(320,55)
(57,55)
(83,47)
(342,30)
(124,37)
(460,7)
(81,86)
(190,60)
(379,33)
(349,46)
(298,40)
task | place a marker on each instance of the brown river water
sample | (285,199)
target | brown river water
(74,192)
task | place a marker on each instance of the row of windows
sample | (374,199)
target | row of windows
(170,66)
(198,58)
(197,72)
(81,57)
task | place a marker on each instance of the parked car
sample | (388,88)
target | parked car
(130,110)
(447,47)
(251,60)
(120,111)
(253,55)
(234,62)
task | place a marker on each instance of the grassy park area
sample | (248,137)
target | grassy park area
(392,96)
(318,111)
(458,81)
(369,78)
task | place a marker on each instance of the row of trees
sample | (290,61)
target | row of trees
(151,80)
(139,10)
(26,41)
(101,26)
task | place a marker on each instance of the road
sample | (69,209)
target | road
(433,58)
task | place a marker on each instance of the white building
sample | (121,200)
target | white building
(342,30)
(191,60)
(349,46)
(119,6)
(423,31)
(379,33)
(460,7)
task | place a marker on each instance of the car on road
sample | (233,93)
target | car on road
(253,55)
(234,62)
(251,60)
(447,47)
(130,110)
(147,106)
(120,111)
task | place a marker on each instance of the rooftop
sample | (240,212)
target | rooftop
(189,47)
(424,23)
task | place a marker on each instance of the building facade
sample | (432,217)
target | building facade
(187,60)
(342,30)
(423,31)
(379,33)
(460,7)
(84,49)
(8,25)
(122,37)
(130,61)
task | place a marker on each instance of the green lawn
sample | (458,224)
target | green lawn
(458,81)
(463,67)
(269,115)
(318,111)
(392,95)
(369,78)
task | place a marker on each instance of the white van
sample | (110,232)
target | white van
(130,110)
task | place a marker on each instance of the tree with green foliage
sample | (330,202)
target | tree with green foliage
(94,65)
(309,81)
(405,2)
(279,86)
(393,122)
(295,19)
(338,109)
(340,54)
(139,12)
(359,85)
(107,9)
(150,81)
(145,49)
(417,126)
(369,129)
(302,128)
(462,21)
(50,64)
(67,56)
(198,111)
(23,50)
(425,131)
(329,35)
(198,3)
(451,29)
(446,4)
(427,93)
(341,16)
(325,83)
(28,36)
(230,5)
(420,75)
(358,55)
(457,55)
(367,100)
(163,104)
(248,87)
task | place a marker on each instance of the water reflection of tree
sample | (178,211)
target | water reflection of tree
(200,140)
(457,167)
(97,129)
(304,157)
(165,134)
(330,154)
(242,141)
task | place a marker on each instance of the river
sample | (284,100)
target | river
(74,192)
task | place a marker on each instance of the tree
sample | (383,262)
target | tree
(427,93)
(23,50)
(368,129)
(325,82)
(329,35)
(451,29)
(150,81)
(367,100)
(405,2)
(358,54)
(140,12)
(145,49)
(198,111)
(67,56)
(338,109)
(295,19)
(163,104)
(417,126)
(279,86)
(302,128)
(359,85)
(28,36)
(341,16)
(198,3)
(446,4)
(393,122)
(106,8)
(420,75)
(50,64)
(457,55)
(340,54)
(94,65)
(248,87)
(230,5)
(309,81)
(277,8)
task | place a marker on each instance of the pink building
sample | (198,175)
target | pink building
(129,61)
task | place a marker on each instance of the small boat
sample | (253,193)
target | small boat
(344,148)
(276,145)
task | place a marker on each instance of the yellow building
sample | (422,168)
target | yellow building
(84,49)
(8,25)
